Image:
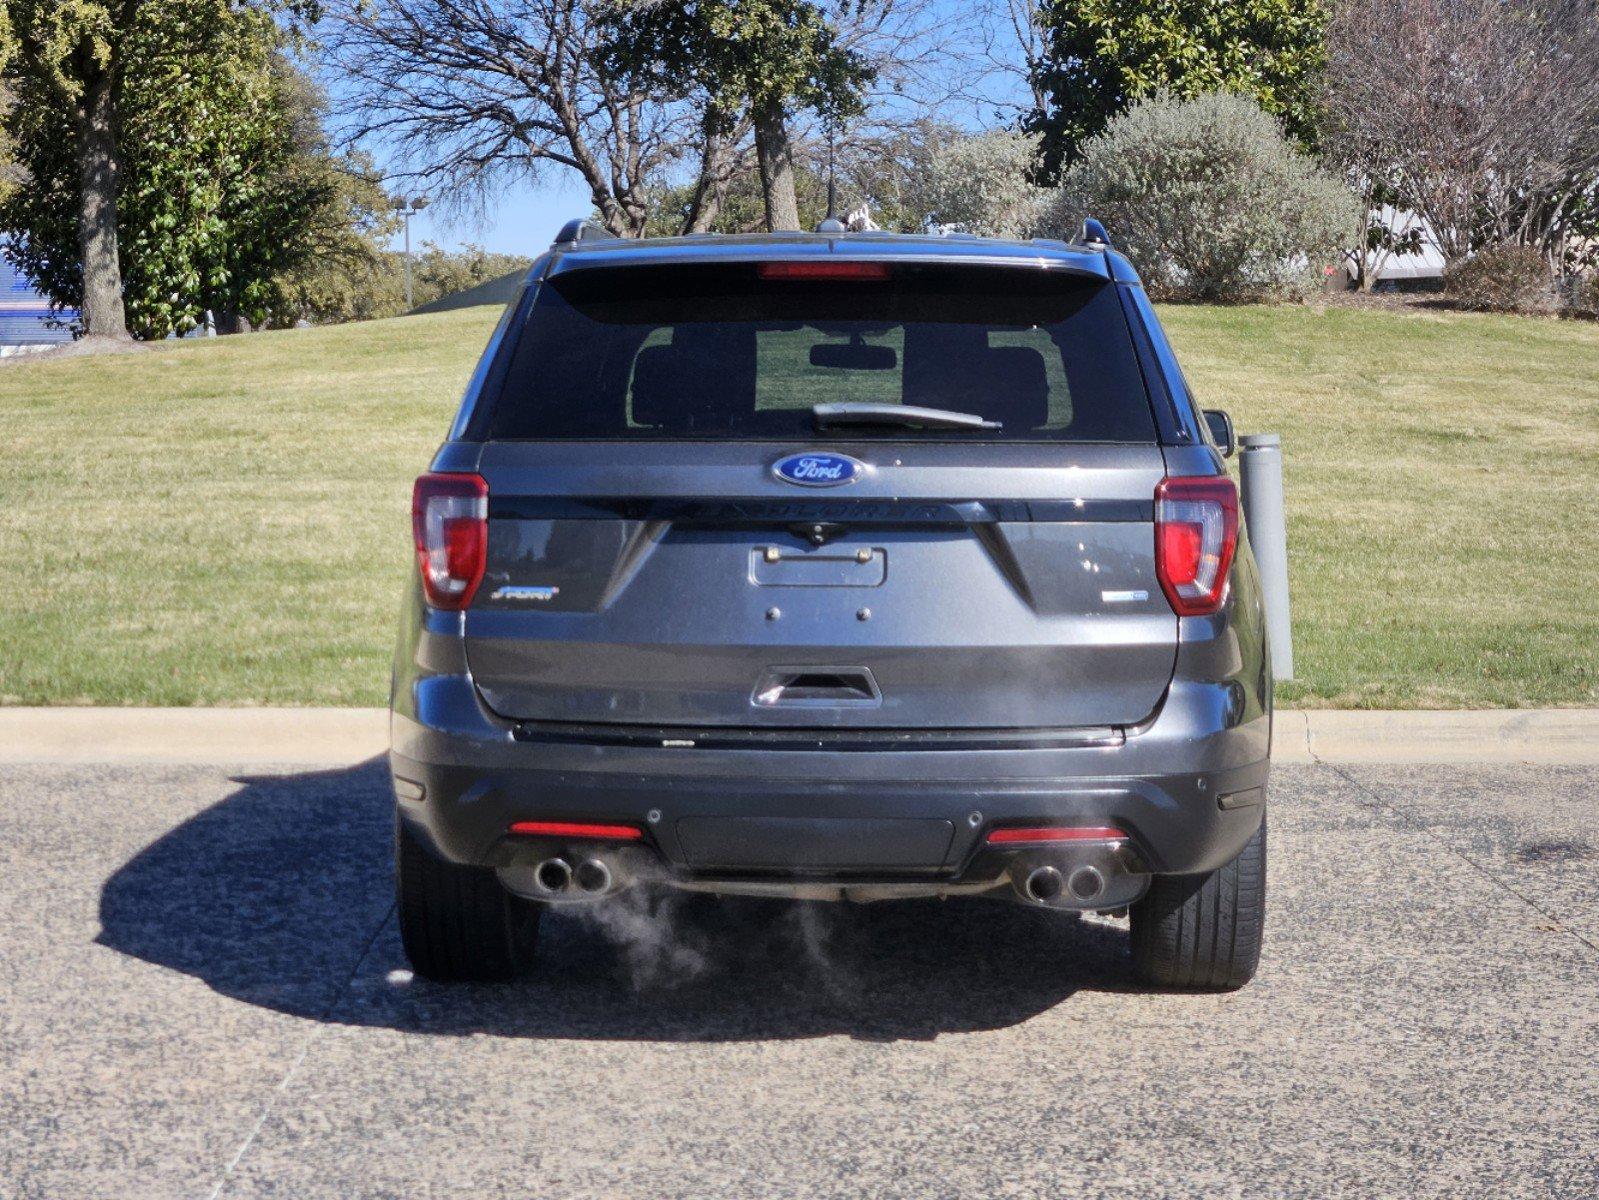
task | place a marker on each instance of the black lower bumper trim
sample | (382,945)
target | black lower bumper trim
(865,740)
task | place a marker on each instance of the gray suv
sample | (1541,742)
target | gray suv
(834,567)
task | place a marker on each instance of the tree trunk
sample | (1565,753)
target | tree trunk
(775,154)
(102,313)
(1365,262)
(706,204)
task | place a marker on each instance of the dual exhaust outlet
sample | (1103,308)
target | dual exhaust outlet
(555,876)
(1046,884)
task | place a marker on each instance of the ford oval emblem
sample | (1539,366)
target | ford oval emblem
(817,469)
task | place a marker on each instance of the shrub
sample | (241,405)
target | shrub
(1502,279)
(1579,294)
(979,183)
(1210,200)
(438,272)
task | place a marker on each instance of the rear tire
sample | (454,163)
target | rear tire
(459,924)
(1203,932)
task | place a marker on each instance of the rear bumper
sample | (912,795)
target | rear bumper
(1188,787)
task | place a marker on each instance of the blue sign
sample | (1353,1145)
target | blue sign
(817,469)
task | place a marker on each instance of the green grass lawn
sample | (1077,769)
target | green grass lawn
(226,522)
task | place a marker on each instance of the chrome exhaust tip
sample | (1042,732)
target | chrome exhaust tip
(1086,883)
(552,875)
(592,876)
(1043,884)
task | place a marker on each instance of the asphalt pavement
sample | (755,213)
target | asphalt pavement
(202,994)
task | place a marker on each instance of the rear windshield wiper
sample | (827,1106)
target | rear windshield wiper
(833,416)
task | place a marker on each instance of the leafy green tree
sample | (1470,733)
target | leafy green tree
(359,287)
(1099,56)
(70,55)
(227,190)
(8,49)
(213,195)
(78,63)
(341,268)
(439,272)
(763,60)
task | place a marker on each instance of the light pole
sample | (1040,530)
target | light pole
(408,209)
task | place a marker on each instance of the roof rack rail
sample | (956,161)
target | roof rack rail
(1093,234)
(578,229)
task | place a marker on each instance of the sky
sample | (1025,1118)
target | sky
(525,219)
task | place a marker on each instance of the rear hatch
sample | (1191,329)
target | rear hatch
(676,539)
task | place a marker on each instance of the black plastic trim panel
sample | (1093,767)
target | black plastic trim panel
(760,510)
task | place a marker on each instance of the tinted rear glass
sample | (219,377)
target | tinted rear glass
(719,353)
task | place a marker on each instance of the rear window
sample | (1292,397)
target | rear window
(720,353)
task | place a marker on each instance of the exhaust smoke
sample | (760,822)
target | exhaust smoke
(667,939)
(658,946)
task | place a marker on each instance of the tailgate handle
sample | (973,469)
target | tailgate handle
(801,687)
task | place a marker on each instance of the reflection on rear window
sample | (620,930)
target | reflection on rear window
(715,353)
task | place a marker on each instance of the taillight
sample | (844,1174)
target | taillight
(1196,535)
(1013,835)
(577,829)
(450,521)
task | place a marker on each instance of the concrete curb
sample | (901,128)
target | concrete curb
(322,736)
(1541,736)
(290,736)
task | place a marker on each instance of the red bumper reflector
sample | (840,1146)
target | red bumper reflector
(822,269)
(1056,833)
(576,829)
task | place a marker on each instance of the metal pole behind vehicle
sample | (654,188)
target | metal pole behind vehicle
(1260,465)
(408,208)
(409,304)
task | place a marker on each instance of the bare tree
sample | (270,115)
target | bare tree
(778,66)
(475,94)
(1008,44)
(468,96)
(917,50)
(1484,114)
(723,158)
(923,58)
(1384,231)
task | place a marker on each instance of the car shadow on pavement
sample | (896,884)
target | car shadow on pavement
(280,896)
